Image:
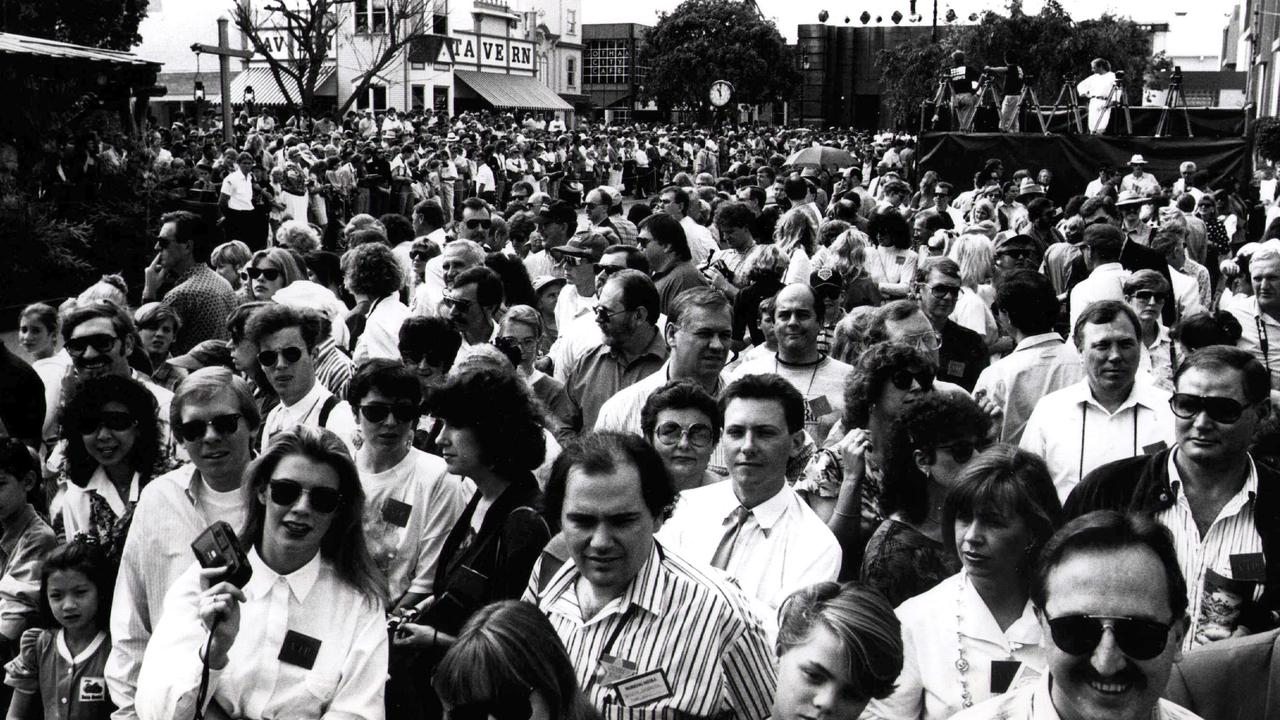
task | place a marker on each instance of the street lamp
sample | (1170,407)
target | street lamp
(248,98)
(197,93)
(804,84)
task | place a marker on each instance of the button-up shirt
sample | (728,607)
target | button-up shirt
(347,674)
(307,412)
(936,626)
(203,299)
(1258,330)
(238,187)
(1233,532)
(1038,365)
(24,543)
(597,375)
(1075,434)
(381,336)
(1033,702)
(77,506)
(696,627)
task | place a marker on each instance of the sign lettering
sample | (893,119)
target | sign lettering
(498,53)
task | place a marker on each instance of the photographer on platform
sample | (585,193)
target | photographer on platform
(1014,80)
(1097,87)
(963,80)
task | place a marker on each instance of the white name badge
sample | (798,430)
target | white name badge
(644,688)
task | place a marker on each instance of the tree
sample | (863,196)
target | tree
(296,38)
(702,41)
(1050,46)
(107,24)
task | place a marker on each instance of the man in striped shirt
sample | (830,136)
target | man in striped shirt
(645,628)
(1222,508)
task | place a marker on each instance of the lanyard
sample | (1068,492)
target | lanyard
(1084,414)
(1263,340)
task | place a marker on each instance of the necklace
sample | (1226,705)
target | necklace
(962,664)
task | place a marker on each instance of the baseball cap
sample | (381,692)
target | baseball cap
(543,281)
(1008,242)
(589,245)
(208,353)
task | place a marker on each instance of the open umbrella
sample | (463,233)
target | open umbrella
(822,156)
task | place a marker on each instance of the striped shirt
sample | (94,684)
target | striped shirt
(1233,532)
(674,617)
(333,368)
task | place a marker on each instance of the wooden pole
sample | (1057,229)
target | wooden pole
(224,78)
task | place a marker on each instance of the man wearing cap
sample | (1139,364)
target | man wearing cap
(1139,180)
(577,259)
(668,251)
(554,222)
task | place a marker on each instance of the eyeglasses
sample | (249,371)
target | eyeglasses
(116,421)
(604,314)
(1148,296)
(941,292)
(520,342)
(482,223)
(904,379)
(195,429)
(377,412)
(962,450)
(670,433)
(1022,254)
(420,255)
(1080,634)
(461,304)
(1220,409)
(268,274)
(928,342)
(285,493)
(101,342)
(268,358)
(607,270)
(569,260)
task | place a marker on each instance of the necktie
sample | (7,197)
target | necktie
(733,527)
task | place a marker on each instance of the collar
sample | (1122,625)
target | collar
(300,581)
(1107,268)
(85,654)
(101,484)
(1162,336)
(1140,394)
(657,347)
(1247,494)
(978,623)
(314,396)
(15,527)
(769,512)
(1034,341)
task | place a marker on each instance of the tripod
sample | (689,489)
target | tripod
(1029,93)
(1174,100)
(1118,97)
(941,99)
(987,101)
(1072,104)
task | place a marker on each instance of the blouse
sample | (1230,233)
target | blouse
(97,512)
(69,687)
(901,562)
(893,268)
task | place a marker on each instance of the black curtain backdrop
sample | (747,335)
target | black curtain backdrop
(1075,159)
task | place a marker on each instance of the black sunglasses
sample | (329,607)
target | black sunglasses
(323,500)
(607,270)
(117,421)
(269,274)
(195,429)
(903,379)
(377,412)
(420,255)
(1148,296)
(474,223)
(962,450)
(291,355)
(1080,634)
(1021,254)
(100,342)
(1220,409)
(943,291)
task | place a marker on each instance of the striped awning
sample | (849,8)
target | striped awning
(512,91)
(267,92)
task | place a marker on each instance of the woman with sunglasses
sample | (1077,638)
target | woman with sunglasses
(270,271)
(1146,291)
(968,637)
(680,420)
(306,634)
(509,663)
(929,443)
(112,452)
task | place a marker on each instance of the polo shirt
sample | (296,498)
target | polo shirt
(598,374)
(239,188)
(675,280)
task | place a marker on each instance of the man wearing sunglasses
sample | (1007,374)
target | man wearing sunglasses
(201,297)
(1222,508)
(962,354)
(472,305)
(578,259)
(477,223)
(1112,607)
(287,339)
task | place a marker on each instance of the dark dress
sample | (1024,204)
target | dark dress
(901,563)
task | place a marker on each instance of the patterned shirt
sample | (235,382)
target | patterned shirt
(333,368)
(203,299)
(902,563)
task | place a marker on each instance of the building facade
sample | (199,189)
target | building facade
(612,75)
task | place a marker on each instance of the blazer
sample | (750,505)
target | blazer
(1234,679)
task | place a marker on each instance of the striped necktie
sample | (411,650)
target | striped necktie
(733,528)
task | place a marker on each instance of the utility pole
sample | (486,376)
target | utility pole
(225,52)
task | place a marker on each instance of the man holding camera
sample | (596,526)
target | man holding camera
(963,80)
(1097,87)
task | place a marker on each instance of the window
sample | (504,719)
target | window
(375,98)
(440,24)
(571,71)
(606,62)
(440,100)
(417,66)
(371,16)
(418,97)
(570,22)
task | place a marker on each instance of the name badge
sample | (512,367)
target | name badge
(899,260)
(644,688)
(299,650)
(93,689)
(1249,566)
(613,670)
(396,512)
(1002,674)
(955,368)
(819,406)
(1154,448)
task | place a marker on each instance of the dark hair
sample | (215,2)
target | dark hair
(600,453)
(888,224)
(860,619)
(667,231)
(735,214)
(1101,313)
(488,285)
(1206,328)
(44,314)
(429,212)
(1104,240)
(767,387)
(369,234)
(796,189)
(16,459)
(926,422)
(944,266)
(86,401)
(638,291)
(873,369)
(1110,530)
(274,317)
(517,289)
(387,376)
(191,229)
(120,319)
(681,394)
(635,259)
(88,559)
(326,266)
(679,195)
(374,270)
(1028,298)
(500,410)
(1005,479)
(1256,381)
(433,336)
(399,228)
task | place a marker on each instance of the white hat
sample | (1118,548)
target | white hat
(1137,160)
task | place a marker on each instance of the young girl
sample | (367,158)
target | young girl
(158,327)
(58,672)
(38,331)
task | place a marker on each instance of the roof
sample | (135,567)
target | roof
(11,44)
(512,91)
(266,91)
(182,85)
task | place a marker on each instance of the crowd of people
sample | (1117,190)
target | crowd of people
(517,422)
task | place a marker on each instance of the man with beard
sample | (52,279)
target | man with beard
(1112,607)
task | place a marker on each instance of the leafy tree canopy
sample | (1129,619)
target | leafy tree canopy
(702,41)
(107,24)
(1049,45)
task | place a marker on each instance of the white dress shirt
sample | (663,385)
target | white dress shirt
(1038,365)
(307,412)
(1258,330)
(381,336)
(345,680)
(783,545)
(1033,702)
(1075,434)
(936,625)
(76,506)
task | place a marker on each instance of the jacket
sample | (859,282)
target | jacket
(1233,679)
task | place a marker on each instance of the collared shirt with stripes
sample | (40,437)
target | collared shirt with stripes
(674,617)
(1233,532)
(333,368)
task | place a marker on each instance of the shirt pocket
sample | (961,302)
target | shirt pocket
(320,688)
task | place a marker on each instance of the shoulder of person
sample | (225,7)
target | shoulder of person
(1112,486)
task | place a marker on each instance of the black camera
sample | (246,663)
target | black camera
(217,546)
(1120,75)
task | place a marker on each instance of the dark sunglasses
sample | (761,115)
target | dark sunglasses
(377,412)
(1148,296)
(222,425)
(569,260)
(269,274)
(1080,634)
(268,358)
(943,291)
(420,255)
(101,342)
(903,379)
(604,314)
(1023,254)
(671,433)
(606,270)
(462,305)
(474,223)
(285,493)
(962,450)
(116,421)
(1220,409)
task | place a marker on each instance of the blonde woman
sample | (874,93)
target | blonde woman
(795,238)
(848,253)
(975,254)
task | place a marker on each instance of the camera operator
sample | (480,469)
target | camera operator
(1014,80)
(1097,87)
(964,80)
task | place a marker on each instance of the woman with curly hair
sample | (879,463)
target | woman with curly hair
(113,447)
(374,276)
